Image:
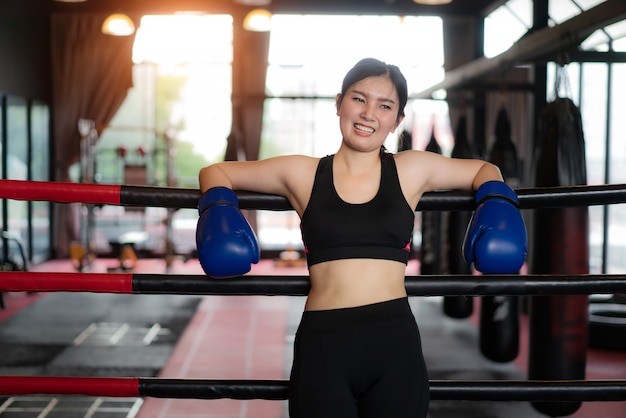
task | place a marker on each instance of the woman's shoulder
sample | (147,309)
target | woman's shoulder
(295,158)
(293,169)
(298,173)
(412,157)
(296,161)
(416,170)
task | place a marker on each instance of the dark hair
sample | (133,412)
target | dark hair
(371,67)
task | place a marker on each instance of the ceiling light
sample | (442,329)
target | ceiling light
(253,3)
(258,20)
(118,24)
(432,2)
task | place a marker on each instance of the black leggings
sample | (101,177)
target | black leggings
(361,362)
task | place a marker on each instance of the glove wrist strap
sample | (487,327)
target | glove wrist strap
(217,196)
(496,190)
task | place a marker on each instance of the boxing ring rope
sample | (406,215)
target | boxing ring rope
(181,198)
(298,285)
(466,390)
(437,285)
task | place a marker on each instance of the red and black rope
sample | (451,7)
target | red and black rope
(470,390)
(298,285)
(121,195)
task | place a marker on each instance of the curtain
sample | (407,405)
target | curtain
(250,60)
(91,76)
(248,92)
(459,44)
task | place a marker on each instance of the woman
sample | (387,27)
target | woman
(357,351)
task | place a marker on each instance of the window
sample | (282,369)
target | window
(40,171)
(174,121)
(17,164)
(505,25)
(595,88)
(24,156)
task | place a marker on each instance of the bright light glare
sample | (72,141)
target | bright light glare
(501,31)
(179,39)
(118,25)
(309,55)
(303,39)
(258,20)
(325,47)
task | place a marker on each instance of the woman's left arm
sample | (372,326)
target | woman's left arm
(496,239)
(487,172)
(423,171)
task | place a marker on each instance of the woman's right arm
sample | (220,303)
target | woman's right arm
(226,243)
(290,176)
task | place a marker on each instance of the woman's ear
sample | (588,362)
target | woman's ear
(338,100)
(398,122)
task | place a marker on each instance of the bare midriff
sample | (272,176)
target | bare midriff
(354,282)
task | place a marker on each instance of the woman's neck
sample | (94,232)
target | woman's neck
(357,161)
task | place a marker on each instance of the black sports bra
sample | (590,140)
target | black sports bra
(333,229)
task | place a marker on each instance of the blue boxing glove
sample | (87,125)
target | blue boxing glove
(226,243)
(496,238)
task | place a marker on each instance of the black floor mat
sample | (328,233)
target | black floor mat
(43,336)
(28,355)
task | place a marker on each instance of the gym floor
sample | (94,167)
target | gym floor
(222,337)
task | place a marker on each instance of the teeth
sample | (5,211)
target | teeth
(364,128)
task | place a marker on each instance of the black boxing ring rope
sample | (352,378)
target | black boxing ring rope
(472,390)
(298,285)
(181,198)
(467,390)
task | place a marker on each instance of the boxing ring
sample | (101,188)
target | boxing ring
(438,285)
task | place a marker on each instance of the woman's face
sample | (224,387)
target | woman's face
(368,112)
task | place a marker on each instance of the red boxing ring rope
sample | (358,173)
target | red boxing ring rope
(92,386)
(60,192)
(471,390)
(298,285)
(169,197)
(21,281)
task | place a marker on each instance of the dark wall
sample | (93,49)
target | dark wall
(25,57)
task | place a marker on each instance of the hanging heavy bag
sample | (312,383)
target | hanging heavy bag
(558,325)
(458,306)
(430,254)
(499,315)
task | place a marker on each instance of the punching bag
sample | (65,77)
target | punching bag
(430,254)
(558,325)
(457,221)
(499,315)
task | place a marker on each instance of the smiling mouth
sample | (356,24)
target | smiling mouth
(363,128)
